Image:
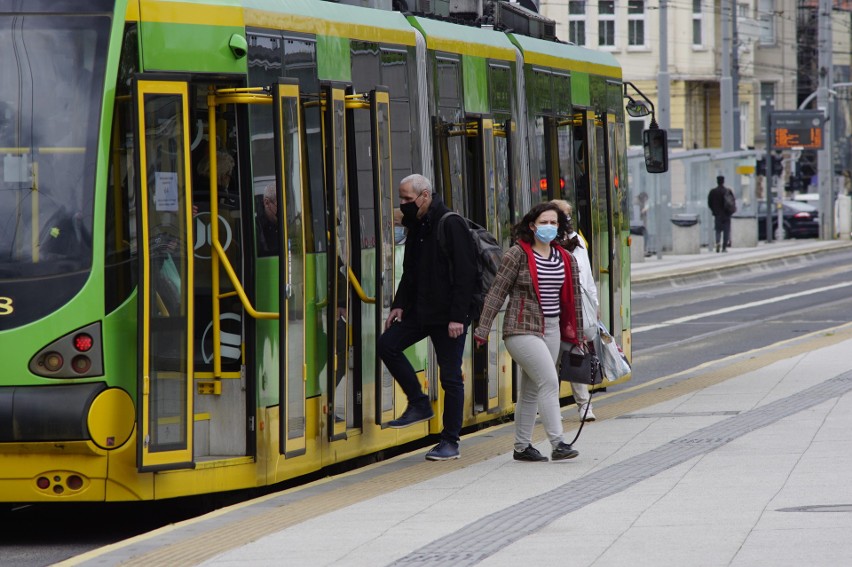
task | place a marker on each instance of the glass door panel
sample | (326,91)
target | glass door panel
(288,161)
(383,187)
(166,304)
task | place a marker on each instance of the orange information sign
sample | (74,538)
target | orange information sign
(797,130)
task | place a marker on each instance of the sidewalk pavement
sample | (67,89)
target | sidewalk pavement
(753,469)
(707,262)
(747,464)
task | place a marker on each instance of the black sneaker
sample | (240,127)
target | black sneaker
(530,454)
(443,451)
(563,451)
(413,414)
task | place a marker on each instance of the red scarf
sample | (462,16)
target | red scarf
(567,308)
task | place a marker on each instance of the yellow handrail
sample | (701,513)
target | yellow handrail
(359,291)
(238,288)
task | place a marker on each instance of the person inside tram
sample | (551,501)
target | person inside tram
(268,232)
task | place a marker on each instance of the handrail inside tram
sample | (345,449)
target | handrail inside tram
(359,291)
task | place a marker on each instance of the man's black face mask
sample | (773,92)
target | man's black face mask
(409,210)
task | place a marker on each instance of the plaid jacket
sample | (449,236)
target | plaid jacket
(518,279)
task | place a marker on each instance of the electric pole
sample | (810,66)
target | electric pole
(726,83)
(663,120)
(825,167)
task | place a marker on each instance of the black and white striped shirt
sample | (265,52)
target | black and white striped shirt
(551,276)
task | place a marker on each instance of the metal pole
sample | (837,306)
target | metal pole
(726,83)
(664,121)
(770,133)
(825,166)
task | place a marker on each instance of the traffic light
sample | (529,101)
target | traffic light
(776,165)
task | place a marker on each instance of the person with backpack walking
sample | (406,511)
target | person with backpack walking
(434,299)
(542,281)
(723,204)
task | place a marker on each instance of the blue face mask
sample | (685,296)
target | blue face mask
(545,233)
(398,234)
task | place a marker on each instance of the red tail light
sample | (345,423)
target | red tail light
(802,215)
(83,342)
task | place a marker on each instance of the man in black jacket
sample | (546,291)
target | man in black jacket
(721,208)
(434,300)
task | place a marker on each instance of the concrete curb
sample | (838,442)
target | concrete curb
(757,260)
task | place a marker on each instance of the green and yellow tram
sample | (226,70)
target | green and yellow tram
(196,231)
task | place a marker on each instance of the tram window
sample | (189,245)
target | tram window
(394,70)
(539,95)
(500,88)
(562,94)
(365,65)
(448,83)
(120,219)
(300,62)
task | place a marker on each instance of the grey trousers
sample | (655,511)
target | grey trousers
(538,385)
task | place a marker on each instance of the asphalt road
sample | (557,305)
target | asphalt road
(676,328)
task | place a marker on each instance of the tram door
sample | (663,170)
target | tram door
(291,285)
(619,225)
(165,396)
(595,182)
(361,252)
(483,185)
(587,216)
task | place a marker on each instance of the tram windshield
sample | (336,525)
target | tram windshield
(51,86)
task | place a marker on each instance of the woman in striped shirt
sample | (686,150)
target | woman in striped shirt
(542,281)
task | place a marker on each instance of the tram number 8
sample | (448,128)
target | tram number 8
(6,306)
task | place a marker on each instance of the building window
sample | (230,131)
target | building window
(577,22)
(606,23)
(766,21)
(636,23)
(745,125)
(697,24)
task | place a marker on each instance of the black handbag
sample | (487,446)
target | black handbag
(580,365)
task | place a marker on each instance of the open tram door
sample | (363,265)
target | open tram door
(597,182)
(484,207)
(292,365)
(487,200)
(360,261)
(165,396)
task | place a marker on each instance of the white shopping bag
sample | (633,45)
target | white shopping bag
(615,365)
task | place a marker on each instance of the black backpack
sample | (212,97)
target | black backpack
(730,203)
(488,257)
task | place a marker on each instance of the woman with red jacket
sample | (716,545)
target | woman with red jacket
(542,281)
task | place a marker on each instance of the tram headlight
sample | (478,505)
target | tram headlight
(52,361)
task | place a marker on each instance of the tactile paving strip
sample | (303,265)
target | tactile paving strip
(488,535)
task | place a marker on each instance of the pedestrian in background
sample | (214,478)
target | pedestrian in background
(429,302)
(542,281)
(579,248)
(723,204)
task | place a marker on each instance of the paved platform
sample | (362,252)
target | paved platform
(747,463)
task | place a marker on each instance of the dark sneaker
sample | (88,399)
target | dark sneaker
(443,451)
(413,414)
(563,451)
(530,454)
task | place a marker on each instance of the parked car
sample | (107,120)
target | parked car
(801,220)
